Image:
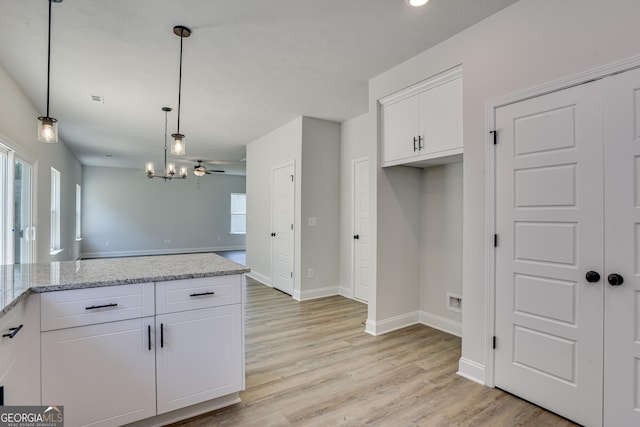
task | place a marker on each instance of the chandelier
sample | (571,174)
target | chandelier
(169,168)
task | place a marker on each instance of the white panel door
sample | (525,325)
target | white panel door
(282,226)
(361,229)
(549,221)
(622,248)
(198,355)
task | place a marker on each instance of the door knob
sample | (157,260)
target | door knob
(357,236)
(615,279)
(592,276)
(273,234)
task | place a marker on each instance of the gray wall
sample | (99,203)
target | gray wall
(530,43)
(314,147)
(18,131)
(136,215)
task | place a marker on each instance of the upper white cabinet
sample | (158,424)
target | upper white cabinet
(422,125)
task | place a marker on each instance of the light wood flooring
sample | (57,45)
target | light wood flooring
(311,364)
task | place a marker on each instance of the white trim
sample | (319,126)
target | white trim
(305,295)
(490,108)
(427,84)
(260,278)
(188,412)
(414,318)
(347,292)
(116,254)
(391,324)
(471,370)
(441,323)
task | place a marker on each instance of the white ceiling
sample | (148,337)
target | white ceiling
(249,66)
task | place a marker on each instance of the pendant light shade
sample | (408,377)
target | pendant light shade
(178,144)
(48,126)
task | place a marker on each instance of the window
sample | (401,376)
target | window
(238,213)
(55,211)
(78,212)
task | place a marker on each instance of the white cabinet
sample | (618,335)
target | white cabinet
(103,374)
(199,339)
(422,125)
(100,361)
(19,355)
(118,354)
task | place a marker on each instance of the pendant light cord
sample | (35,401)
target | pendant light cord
(165,141)
(180,80)
(49,59)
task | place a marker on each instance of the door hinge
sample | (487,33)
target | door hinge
(292,274)
(494,342)
(291,178)
(292,226)
(495,240)
(495,136)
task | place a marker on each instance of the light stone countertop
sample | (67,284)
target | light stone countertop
(17,281)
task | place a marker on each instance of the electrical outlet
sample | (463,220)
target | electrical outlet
(107,243)
(167,241)
(454,302)
(310,273)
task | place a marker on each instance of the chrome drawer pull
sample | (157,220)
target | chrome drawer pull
(93,307)
(201,294)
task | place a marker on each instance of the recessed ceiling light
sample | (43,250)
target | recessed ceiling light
(97,99)
(417,3)
(108,156)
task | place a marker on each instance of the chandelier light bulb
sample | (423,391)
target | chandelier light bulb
(183,171)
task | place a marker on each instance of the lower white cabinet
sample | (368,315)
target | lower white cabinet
(182,345)
(103,374)
(19,355)
(199,354)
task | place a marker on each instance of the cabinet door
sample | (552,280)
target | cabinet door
(400,127)
(20,354)
(103,375)
(199,356)
(441,119)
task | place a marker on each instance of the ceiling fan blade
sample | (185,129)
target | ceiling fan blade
(214,171)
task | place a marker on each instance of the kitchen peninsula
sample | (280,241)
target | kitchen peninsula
(149,339)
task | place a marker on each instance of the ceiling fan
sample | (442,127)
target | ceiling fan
(201,170)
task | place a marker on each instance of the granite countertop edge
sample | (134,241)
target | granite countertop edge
(133,273)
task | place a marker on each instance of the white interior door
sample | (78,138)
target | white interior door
(282,226)
(622,249)
(549,221)
(361,229)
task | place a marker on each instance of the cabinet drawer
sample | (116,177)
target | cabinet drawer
(78,307)
(191,294)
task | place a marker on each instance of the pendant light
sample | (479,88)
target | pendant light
(177,146)
(169,168)
(48,126)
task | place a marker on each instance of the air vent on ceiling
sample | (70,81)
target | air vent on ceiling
(97,99)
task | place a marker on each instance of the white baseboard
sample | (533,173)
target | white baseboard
(417,317)
(315,293)
(260,278)
(471,370)
(345,292)
(441,323)
(391,324)
(172,251)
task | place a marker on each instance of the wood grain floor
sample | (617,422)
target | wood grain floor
(311,364)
